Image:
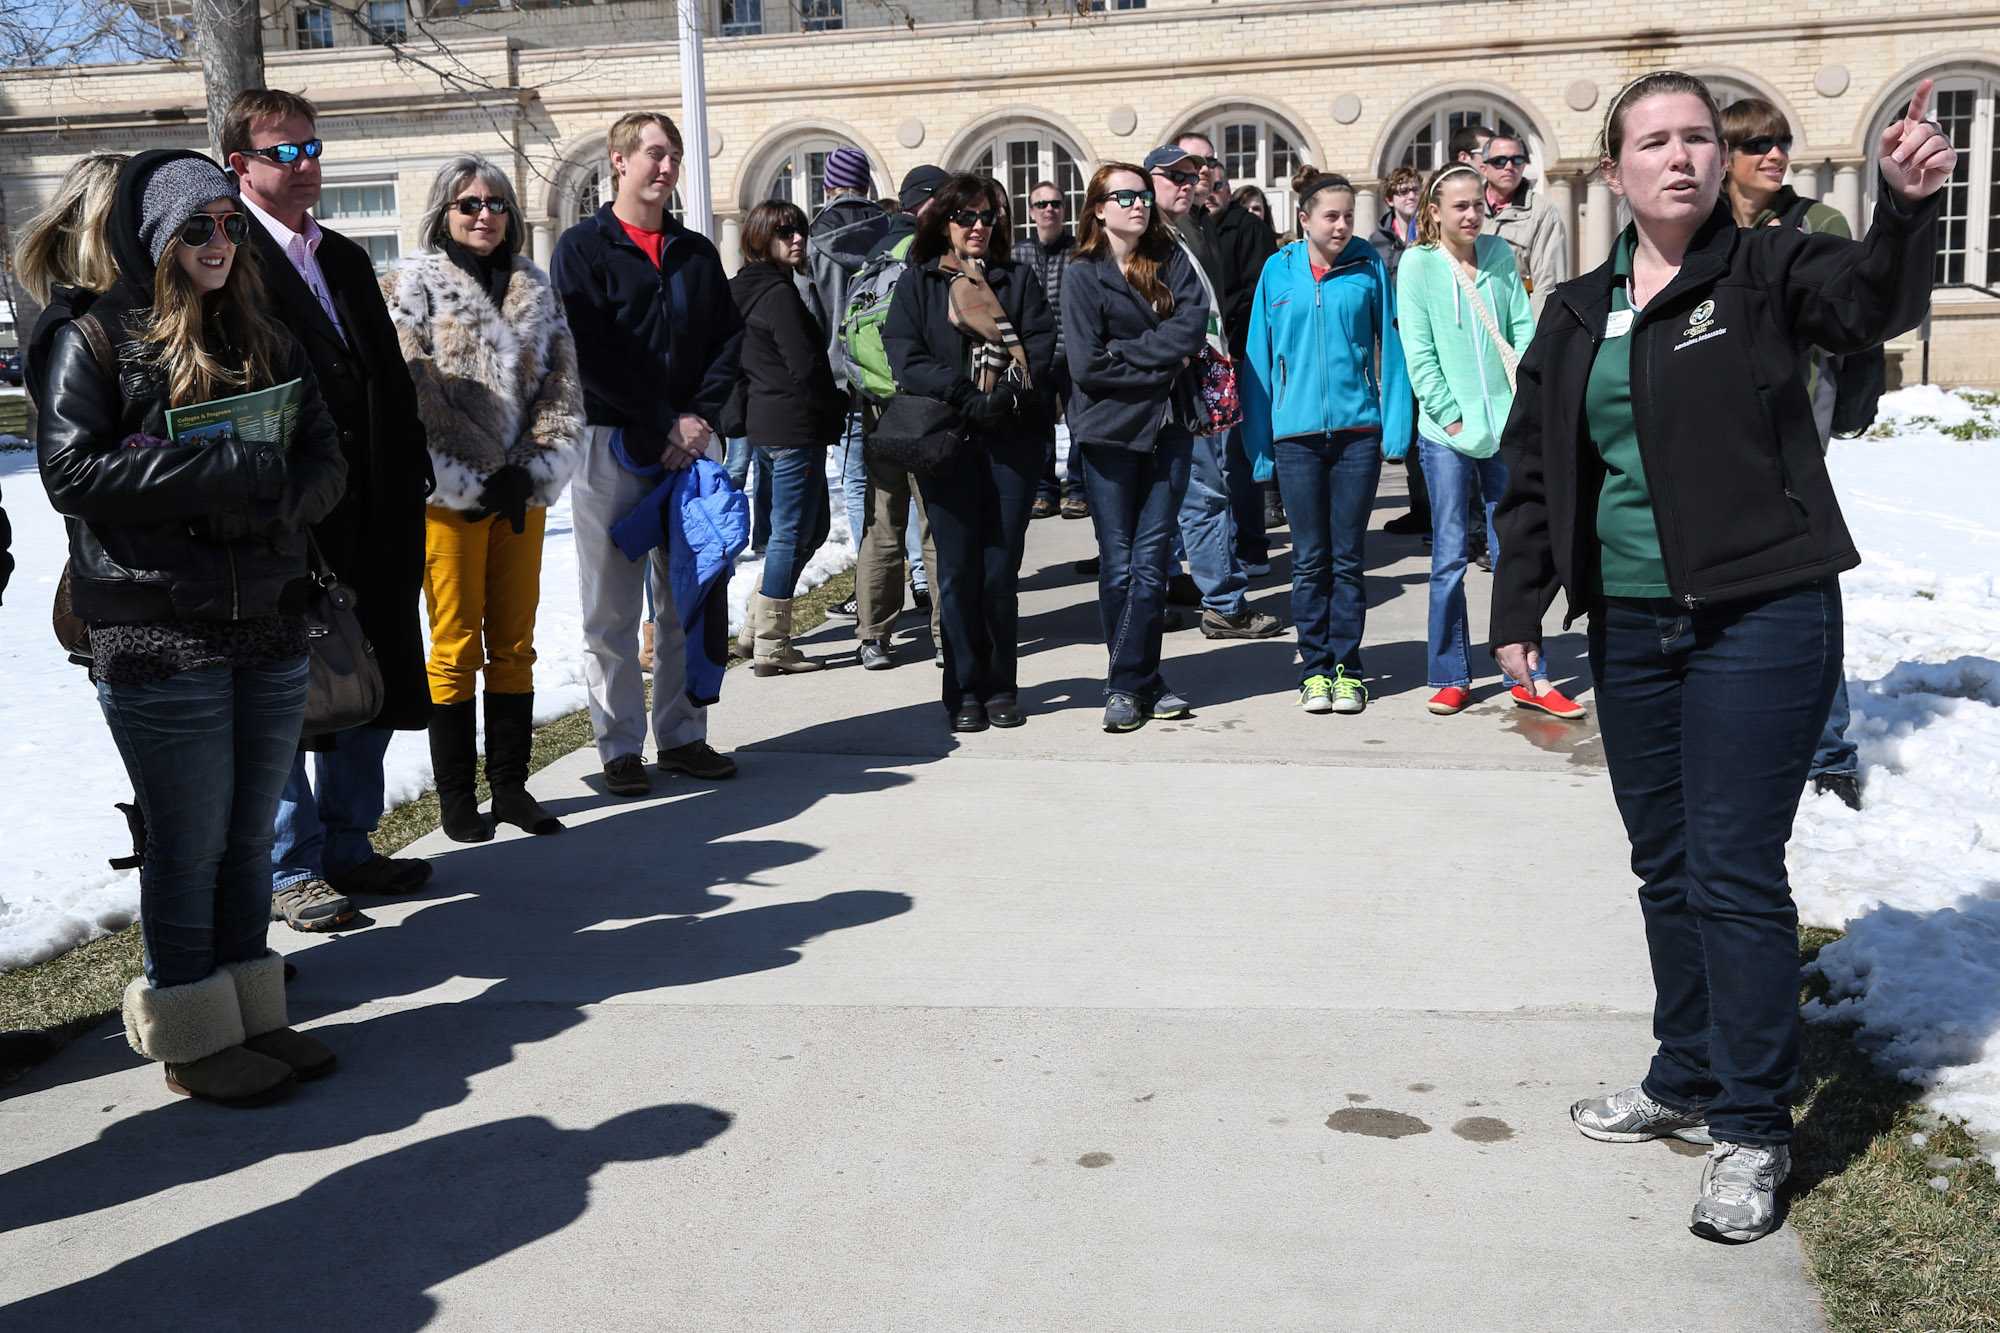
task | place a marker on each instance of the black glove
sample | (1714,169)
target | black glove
(506,493)
(995,407)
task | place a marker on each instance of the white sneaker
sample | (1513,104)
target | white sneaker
(1739,1192)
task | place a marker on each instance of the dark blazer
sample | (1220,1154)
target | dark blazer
(1740,490)
(374,538)
(790,398)
(930,356)
(1123,358)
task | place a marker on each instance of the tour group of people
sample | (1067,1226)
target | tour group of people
(1645,440)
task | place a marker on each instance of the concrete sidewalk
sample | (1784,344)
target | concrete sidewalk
(1255,1021)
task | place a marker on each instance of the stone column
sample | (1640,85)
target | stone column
(542,242)
(1367,209)
(729,240)
(1847,193)
(1562,198)
(1600,227)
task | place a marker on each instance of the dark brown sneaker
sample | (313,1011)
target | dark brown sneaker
(1043,507)
(697,759)
(1245,624)
(626,776)
(1076,507)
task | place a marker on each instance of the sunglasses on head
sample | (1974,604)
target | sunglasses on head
(1505,160)
(197,230)
(1764,143)
(788,232)
(967,218)
(1130,198)
(470,205)
(1178,177)
(287,153)
(1046,203)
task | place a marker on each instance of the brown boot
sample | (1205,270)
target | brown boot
(646,646)
(196,1031)
(771,618)
(260,997)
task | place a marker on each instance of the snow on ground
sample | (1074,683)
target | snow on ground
(1915,879)
(62,773)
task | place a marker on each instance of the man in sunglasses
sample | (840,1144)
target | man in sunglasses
(323,288)
(1528,223)
(1047,254)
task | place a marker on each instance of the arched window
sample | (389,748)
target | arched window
(800,175)
(1969,226)
(1018,158)
(1426,140)
(1255,150)
(593,189)
(1726,90)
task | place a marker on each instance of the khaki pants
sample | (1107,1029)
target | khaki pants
(879,566)
(482,583)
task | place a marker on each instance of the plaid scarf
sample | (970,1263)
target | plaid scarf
(997,353)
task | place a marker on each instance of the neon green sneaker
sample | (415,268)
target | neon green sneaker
(1316,695)
(1349,694)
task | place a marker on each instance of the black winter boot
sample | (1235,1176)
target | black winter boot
(510,734)
(455,765)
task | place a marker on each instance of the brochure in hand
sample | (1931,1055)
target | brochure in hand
(267,416)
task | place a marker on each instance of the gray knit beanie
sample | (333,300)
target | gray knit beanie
(176,192)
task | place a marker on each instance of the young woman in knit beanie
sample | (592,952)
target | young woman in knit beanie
(188,563)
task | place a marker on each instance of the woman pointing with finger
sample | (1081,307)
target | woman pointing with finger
(1665,474)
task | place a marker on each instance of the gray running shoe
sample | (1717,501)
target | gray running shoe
(1121,713)
(311,905)
(1630,1116)
(1739,1191)
(1166,706)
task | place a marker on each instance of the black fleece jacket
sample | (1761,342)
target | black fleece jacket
(931,357)
(790,398)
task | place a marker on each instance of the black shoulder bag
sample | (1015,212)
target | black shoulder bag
(344,687)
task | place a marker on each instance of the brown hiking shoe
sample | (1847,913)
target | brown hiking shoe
(697,759)
(311,905)
(307,1057)
(233,1076)
(1076,507)
(626,776)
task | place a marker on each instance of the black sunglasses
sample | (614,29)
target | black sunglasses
(288,153)
(1178,177)
(1506,160)
(1127,198)
(197,230)
(1764,143)
(470,205)
(1046,203)
(788,232)
(985,217)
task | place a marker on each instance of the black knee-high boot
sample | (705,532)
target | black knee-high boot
(455,765)
(510,735)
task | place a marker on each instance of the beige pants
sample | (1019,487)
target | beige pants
(879,565)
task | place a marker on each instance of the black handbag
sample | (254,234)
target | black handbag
(345,686)
(923,436)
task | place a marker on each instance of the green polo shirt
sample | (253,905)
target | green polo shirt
(1629,563)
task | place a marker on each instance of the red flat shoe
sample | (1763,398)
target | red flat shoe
(1555,703)
(1451,699)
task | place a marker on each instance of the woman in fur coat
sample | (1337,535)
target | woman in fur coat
(495,371)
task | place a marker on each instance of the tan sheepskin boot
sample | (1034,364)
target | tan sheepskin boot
(772,617)
(260,993)
(196,1031)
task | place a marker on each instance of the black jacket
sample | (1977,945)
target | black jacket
(374,538)
(931,357)
(6,553)
(174,532)
(1124,359)
(651,343)
(1740,490)
(1243,242)
(790,398)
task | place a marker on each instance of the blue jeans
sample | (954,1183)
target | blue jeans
(801,514)
(737,461)
(1328,484)
(1209,532)
(1709,719)
(1246,502)
(1451,478)
(323,826)
(854,490)
(1835,753)
(207,752)
(1135,503)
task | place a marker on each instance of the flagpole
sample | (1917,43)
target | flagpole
(698,211)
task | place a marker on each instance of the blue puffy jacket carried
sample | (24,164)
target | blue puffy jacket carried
(704,522)
(1308,366)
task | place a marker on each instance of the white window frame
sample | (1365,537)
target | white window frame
(1270,170)
(822,15)
(799,177)
(363,227)
(1973,182)
(380,34)
(1448,113)
(738,25)
(596,180)
(1054,156)
(302,18)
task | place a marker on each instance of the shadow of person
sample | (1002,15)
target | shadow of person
(376,1237)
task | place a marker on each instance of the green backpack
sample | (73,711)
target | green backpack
(861,325)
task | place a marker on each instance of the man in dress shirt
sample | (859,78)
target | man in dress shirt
(323,288)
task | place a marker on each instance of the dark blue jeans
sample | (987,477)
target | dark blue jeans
(1246,502)
(979,530)
(1835,753)
(739,456)
(1135,505)
(1328,484)
(1709,718)
(801,514)
(207,752)
(324,822)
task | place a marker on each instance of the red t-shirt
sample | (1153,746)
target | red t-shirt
(654,243)
(1319,270)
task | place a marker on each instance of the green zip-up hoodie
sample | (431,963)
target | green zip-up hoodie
(1454,367)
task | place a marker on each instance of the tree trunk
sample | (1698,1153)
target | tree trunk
(231,41)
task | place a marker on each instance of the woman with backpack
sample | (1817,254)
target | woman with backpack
(1665,474)
(973,329)
(1135,316)
(1318,416)
(490,354)
(189,564)
(793,412)
(1465,320)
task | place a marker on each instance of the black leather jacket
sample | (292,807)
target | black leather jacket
(175,532)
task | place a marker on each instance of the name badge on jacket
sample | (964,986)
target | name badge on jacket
(1617,324)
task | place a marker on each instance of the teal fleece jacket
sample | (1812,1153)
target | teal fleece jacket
(1454,366)
(1309,361)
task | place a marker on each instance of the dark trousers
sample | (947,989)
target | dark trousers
(1709,720)
(1246,501)
(1329,488)
(1054,486)
(979,528)
(1135,505)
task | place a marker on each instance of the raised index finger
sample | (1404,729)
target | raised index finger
(1920,102)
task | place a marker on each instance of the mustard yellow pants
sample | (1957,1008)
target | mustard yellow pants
(482,584)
